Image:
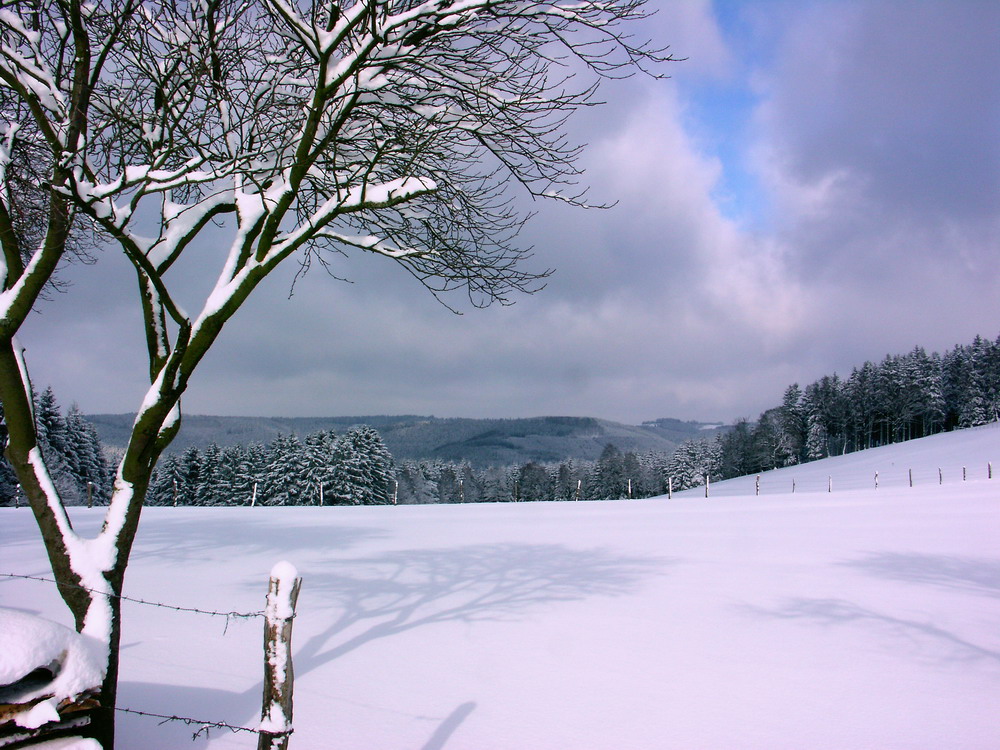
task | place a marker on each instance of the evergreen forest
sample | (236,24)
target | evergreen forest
(902,397)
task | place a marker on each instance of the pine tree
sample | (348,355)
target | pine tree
(535,483)
(817,442)
(208,490)
(320,459)
(51,430)
(190,476)
(285,476)
(86,455)
(248,480)
(792,424)
(609,475)
(167,481)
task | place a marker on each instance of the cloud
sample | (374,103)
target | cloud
(872,139)
(868,131)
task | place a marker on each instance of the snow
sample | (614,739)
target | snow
(860,618)
(280,605)
(68,743)
(30,642)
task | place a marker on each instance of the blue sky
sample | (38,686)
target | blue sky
(816,185)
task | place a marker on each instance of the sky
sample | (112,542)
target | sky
(815,185)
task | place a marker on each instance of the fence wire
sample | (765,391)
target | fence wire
(204,727)
(134,600)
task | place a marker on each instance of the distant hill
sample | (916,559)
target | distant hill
(480,441)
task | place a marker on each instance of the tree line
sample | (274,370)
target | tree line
(902,397)
(357,469)
(323,469)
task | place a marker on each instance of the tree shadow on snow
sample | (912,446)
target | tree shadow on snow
(379,597)
(969,574)
(926,637)
(447,727)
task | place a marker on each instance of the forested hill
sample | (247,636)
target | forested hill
(482,442)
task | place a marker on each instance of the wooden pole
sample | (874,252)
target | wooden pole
(911,477)
(276,710)
(757,485)
(670,488)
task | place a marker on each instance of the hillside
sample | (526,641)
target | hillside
(857,619)
(972,450)
(479,441)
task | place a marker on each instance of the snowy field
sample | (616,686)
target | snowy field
(851,619)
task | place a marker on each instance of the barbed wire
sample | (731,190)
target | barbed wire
(203,726)
(196,610)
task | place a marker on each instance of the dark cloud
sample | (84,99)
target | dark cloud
(874,144)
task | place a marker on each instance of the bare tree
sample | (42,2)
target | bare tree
(393,127)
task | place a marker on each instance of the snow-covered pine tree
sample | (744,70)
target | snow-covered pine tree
(535,483)
(320,459)
(167,483)
(207,491)
(249,475)
(609,481)
(285,476)
(816,439)
(84,444)
(190,476)
(51,430)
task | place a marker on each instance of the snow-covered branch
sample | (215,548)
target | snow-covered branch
(395,127)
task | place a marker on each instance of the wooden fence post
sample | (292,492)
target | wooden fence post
(276,711)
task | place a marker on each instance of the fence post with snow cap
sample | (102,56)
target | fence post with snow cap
(276,711)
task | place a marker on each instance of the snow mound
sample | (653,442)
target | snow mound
(31,643)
